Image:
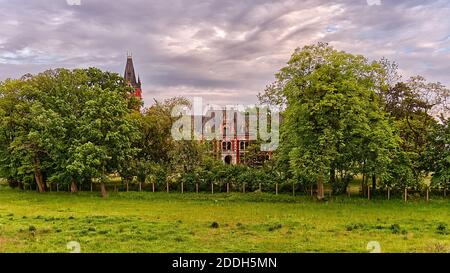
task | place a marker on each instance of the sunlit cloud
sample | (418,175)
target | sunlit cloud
(226,51)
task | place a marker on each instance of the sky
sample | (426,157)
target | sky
(225,51)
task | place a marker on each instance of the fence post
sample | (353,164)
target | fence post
(128,187)
(92,188)
(368,193)
(196,187)
(57,187)
(293,189)
(228,187)
(276,188)
(167,186)
(212,188)
(389,193)
(260,187)
(428,194)
(182,187)
(406,195)
(243,187)
(140,186)
(153,187)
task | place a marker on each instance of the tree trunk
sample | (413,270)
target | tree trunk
(320,190)
(363,188)
(38,175)
(73,186)
(333,186)
(103,190)
(374,184)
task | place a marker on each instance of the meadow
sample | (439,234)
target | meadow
(252,222)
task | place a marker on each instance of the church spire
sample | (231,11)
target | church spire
(130,75)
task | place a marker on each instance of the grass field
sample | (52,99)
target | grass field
(160,222)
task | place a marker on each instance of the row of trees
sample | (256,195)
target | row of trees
(65,126)
(345,116)
(79,127)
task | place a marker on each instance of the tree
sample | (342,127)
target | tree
(65,126)
(438,154)
(333,123)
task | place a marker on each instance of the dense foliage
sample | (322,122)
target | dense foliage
(346,116)
(343,118)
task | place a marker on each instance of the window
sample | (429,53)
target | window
(226,146)
(243,145)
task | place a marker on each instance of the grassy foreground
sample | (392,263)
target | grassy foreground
(160,222)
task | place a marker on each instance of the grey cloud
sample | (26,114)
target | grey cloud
(224,50)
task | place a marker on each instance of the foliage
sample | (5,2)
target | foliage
(65,126)
(333,127)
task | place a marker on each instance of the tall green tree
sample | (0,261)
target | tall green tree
(65,126)
(333,125)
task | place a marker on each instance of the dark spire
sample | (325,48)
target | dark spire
(130,75)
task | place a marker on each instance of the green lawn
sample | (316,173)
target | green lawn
(147,222)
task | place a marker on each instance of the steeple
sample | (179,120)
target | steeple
(130,77)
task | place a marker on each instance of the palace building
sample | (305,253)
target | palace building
(130,77)
(233,135)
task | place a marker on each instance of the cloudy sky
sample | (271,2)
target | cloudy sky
(223,50)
